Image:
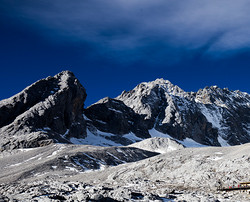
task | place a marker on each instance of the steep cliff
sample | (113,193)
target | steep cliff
(211,116)
(49,110)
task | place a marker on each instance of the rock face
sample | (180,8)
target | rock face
(49,110)
(113,116)
(52,110)
(212,116)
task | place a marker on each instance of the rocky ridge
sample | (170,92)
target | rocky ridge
(49,110)
(211,116)
(52,110)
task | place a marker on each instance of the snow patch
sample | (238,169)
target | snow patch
(119,150)
(222,142)
(95,139)
(212,116)
(215,158)
(85,117)
(158,144)
(71,169)
(132,137)
(188,142)
(25,149)
(115,110)
(100,121)
(45,129)
(59,148)
(81,165)
(17,164)
(155,133)
(116,157)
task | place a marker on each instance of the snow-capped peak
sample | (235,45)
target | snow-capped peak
(166,85)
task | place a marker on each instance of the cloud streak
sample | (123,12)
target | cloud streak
(158,28)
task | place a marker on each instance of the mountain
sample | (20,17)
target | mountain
(211,116)
(147,144)
(49,110)
(52,111)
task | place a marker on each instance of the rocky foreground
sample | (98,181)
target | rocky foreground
(87,173)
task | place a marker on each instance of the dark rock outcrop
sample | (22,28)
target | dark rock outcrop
(113,116)
(49,110)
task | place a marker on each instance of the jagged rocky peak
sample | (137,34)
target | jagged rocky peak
(145,88)
(212,95)
(228,111)
(221,97)
(167,86)
(211,116)
(43,112)
(147,97)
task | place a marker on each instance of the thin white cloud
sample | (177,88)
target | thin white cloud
(221,25)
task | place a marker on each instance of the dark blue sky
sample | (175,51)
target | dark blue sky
(114,45)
